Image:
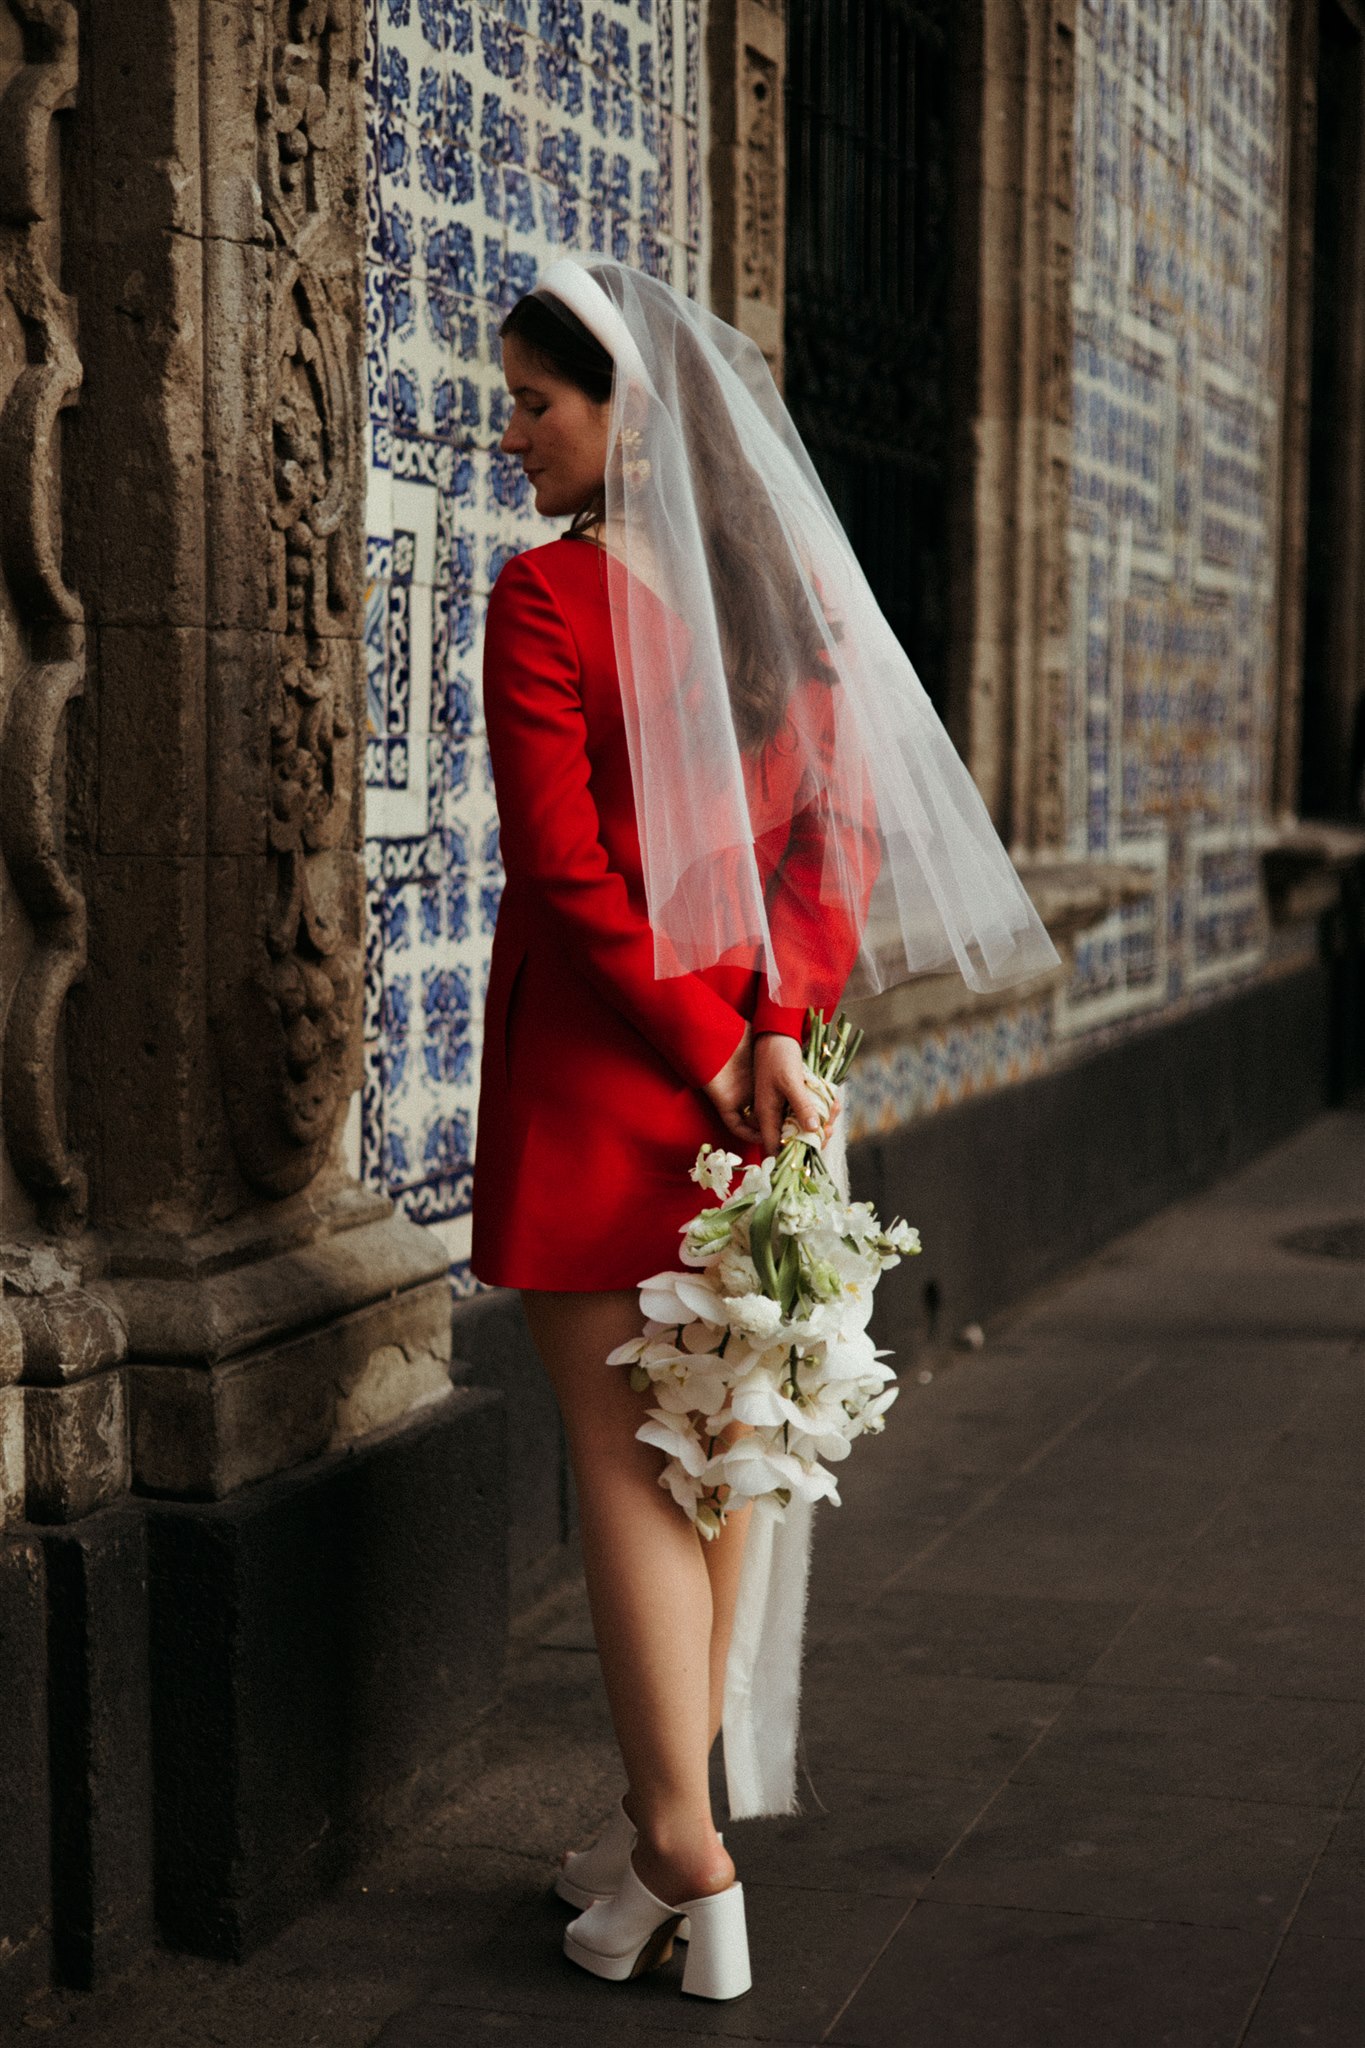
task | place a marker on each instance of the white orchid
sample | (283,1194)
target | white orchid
(753,1469)
(767,1327)
(902,1237)
(754,1315)
(736,1272)
(673,1435)
(715,1169)
(701,1393)
(758,1401)
(673,1298)
(700,1338)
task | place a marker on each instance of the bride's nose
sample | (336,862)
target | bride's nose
(514,439)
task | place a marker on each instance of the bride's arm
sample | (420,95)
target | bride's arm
(550,830)
(815,941)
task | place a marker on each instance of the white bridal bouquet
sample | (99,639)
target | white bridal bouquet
(769,1325)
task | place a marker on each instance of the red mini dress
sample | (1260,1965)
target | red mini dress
(591,1103)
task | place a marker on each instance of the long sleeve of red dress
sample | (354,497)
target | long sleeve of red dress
(552,836)
(815,944)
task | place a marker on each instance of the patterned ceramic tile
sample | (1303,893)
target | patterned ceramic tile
(1173,512)
(497,136)
(897,1084)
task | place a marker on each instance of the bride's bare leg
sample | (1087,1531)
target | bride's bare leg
(724,1555)
(649,1590)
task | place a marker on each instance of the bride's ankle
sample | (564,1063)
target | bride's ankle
(676,1868)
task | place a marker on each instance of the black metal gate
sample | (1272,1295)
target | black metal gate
(867,346)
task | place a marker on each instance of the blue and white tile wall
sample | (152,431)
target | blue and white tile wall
(1174,510)
(497,136)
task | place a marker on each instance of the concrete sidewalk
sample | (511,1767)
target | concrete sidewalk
(1085,1712)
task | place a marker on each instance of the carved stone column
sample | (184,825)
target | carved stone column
(273,1309)
(194,1293)
(1016,225)
(746,57)
(53,1335)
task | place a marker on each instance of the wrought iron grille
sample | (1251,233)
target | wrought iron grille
(868,264)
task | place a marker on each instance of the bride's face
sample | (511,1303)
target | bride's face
(557,433)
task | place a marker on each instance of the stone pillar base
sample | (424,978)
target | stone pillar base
(316,1641)
(241,1366)
(100,1757)
(25,1880)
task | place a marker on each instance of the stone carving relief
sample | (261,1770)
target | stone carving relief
(295,110)
(761,196)
(315,959)
(284,1109)
(32,746)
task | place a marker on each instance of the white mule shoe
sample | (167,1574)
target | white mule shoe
(623,1937)
(587,1875)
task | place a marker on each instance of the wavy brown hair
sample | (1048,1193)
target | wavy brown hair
(768,634)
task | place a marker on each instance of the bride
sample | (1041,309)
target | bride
(723,797)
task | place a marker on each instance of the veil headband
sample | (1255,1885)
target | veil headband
(802,811)
(574,285)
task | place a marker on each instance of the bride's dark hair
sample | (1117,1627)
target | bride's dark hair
(768,633)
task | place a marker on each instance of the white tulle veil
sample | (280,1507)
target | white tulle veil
(907,868)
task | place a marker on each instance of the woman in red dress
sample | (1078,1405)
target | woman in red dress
(709,751)
(599,1082)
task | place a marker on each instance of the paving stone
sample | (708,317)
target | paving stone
(1213,1402)
(1290,1300)
(1321,1167)
(989,1411)
(984,1977)
(978,1635)
(1212,1862)
(1334,1903)
(442,2026)
(1082,1702)
(856,1551)
(808,1948)
(1062,1538)
(1215,1649)
(1119,1739)
(870,1832)
(1315,1997)
(975,1729)
(1278,1542)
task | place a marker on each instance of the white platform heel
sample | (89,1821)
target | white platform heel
(622,1937)
(587,1875)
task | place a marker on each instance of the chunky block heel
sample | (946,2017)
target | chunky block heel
(717,1963)
(622,1937)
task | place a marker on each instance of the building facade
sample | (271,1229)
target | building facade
(1068,300)
(1113,660)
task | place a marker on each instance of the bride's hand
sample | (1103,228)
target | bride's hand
(732,1091)
(780,1090)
